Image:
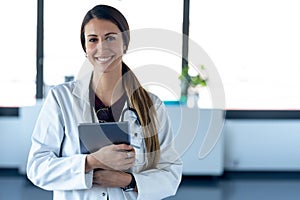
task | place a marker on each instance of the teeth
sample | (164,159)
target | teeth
(103,59)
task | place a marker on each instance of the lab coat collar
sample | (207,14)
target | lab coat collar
(82,86)
(82,91)
(81,94)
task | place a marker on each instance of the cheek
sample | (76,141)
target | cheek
(117,46)
(89,47)
(119,49)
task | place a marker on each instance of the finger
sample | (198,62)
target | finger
(129,155)
(95,180)
(124,147)
(127,166)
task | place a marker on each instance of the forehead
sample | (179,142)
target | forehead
(100,27)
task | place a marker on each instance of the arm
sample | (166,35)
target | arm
(169,170)
(111,157)
(113,160)
(111,178)
(45,167)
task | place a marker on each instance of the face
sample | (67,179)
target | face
(104,45)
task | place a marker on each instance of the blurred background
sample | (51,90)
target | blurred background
(253,45)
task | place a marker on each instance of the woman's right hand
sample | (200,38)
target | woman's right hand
(117,157)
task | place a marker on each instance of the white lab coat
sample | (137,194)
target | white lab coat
(55,161)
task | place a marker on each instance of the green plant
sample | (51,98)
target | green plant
(192,80)
(187,81)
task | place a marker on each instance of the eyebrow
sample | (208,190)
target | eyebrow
(110,33)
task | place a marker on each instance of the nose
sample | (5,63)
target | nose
(100,44)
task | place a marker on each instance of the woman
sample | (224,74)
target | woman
(148,168)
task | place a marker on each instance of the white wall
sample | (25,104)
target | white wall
(15,136)
(272,145)
(248,145)
(191,127)
(10,137)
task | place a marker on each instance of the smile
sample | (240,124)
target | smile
(104,59)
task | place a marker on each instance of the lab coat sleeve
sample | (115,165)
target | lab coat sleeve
(163,181)
(45,168)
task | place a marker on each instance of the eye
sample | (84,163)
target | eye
(93,40)
(110,38)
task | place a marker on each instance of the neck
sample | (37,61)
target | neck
(108,86)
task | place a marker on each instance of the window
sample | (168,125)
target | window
(255,46)
(18,50)
(64,55)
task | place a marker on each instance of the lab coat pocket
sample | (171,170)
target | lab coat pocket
(138,143)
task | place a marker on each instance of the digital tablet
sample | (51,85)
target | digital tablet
(94,136)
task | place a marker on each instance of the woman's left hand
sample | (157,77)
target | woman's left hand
(111,178)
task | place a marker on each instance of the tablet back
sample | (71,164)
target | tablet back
(97,135)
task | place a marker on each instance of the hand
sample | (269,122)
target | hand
(117,157)
(111,178)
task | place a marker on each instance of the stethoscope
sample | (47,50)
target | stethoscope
(127,109)
(122,116)
(131,110)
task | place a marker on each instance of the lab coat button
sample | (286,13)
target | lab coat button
(103,194)
(135,134)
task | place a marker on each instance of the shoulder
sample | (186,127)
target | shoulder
(61,91)
(63,87)
(155,99)
(158,104)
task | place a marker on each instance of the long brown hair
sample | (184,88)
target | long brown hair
(140,100)
(138,97)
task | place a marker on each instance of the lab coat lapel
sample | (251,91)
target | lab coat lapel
(83,109)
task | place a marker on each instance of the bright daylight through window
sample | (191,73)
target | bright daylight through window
(18,50)
(255,46)
(64,55)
